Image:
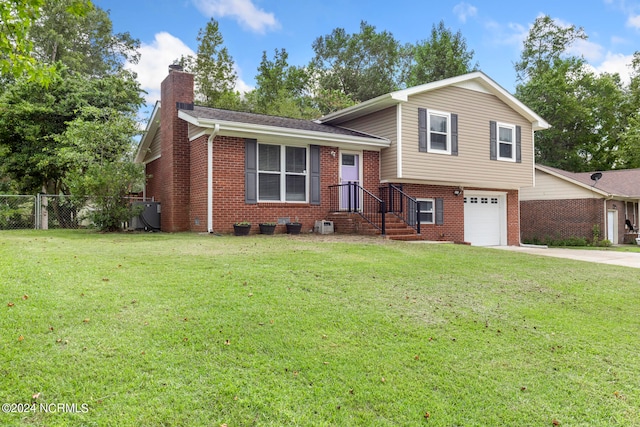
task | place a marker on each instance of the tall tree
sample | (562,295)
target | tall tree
(84,43)
(361,65)
(629,153)
(98,146)
(16,20)
(32,117)
(547,43)
(443,55)
(213,67)
(587,112)
(281,89)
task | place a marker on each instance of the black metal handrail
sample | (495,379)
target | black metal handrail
(352,197)
(401,205)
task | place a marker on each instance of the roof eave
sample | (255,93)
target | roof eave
(403,95)
(358,110)
(152,127)
(573,181)
(236,127)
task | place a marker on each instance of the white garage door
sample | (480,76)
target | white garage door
(484,219)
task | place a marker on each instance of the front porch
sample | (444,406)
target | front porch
(392,214)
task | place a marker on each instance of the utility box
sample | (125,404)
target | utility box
(148,219)
(323,227)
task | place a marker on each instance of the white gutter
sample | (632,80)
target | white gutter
(324,137)
(216,129)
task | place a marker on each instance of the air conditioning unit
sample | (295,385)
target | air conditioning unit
(323,227)
(148,219)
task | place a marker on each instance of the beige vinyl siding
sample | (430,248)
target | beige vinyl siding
(549,187)
(155,148)
(472,165)
(194,131)
(384,124)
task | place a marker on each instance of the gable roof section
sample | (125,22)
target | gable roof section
(238,122)
(153,126)
(477,81)
(622,182)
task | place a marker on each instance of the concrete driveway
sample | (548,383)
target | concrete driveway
(626,259)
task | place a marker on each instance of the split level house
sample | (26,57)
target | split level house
(565,205)
(440,161)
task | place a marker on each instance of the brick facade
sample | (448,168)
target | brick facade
(178,179)
(174,170)
(561,219)
(453,227)
(229,190)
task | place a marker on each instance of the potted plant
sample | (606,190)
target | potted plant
(294,227)
(267,227)
(241,228)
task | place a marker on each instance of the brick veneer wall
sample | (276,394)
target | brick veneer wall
(174,172)
(229,189)
(453,227)
(154,184)
(513,218)
(198,185)
(561,219)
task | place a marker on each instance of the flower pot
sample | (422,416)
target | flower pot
(294,227)
(241,230)
(267,228)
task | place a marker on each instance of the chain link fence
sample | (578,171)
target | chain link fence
(45,211)
(17,212)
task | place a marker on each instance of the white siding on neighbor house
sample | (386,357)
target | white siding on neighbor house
(549,187)
(472,166)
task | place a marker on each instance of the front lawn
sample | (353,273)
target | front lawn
(191,330)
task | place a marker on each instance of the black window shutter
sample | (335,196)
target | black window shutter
(439,211)
(518,144)
(314,184)
(493,140)
(422,129)
(454,134)
(250,171)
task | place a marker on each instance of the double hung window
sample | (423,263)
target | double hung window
(506,142)
(282,173)
(439,132)
(426,211)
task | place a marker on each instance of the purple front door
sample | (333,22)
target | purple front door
(350,173)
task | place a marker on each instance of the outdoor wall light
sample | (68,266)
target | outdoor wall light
(457,191)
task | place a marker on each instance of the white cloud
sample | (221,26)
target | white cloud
(617,63)
(590,51)
(464,10)
(155,59)
(244,11)
(634,21)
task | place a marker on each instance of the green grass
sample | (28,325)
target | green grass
(190,330)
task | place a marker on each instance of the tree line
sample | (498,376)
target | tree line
(68,105)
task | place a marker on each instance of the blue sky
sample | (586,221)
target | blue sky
(495,30)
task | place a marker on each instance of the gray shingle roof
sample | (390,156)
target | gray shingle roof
(199,112)
(622,182)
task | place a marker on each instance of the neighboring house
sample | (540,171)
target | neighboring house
(447,157)
(565,205)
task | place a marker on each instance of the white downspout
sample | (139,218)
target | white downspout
(216,129)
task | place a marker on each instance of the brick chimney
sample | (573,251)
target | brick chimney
(177,88)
